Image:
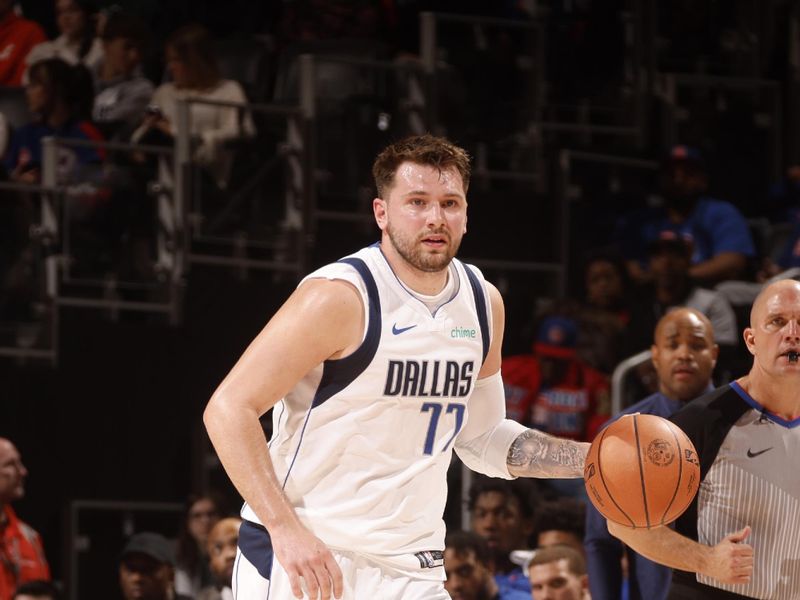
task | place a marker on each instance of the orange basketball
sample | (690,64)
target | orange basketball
(642,471)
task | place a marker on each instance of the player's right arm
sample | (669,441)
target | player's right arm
(729,561)
(322,320)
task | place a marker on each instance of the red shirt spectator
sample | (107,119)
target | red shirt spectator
(552,389)
(21,555)
(17,37)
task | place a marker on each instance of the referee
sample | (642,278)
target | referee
(740,538)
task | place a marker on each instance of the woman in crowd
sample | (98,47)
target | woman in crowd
(192,572)
(76,43)
(192,65)
(60,98)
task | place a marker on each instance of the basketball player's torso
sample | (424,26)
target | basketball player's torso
(366,466)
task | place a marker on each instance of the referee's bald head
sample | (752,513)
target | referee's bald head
(772,293)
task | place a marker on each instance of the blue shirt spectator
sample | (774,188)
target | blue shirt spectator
(717,231)
(25,147)
(684,355)
(513,582)
(714,226)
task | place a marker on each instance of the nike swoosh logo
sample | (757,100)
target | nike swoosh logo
(398,330)
(751,454)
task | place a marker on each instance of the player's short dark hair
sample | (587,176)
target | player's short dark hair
(523,489)
(565,514)
(575,562)
(427,150)
(464,542)
(37,587)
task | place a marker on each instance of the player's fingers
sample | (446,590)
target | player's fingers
(312,587)
(740,535)
(323,580)
(335,574)
(294,583)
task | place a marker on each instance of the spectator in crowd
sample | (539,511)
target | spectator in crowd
(684,356)
(38,589)
(147,569)
(192,65)
(721,241)
(502,513)
(21,555)
(671,287)
(193,572)
(222,543)
(560,522)
(558,573)
(604,311)
(18,36)
(552,389)
(122,93)
(60,97)
(77,42)
(467,567)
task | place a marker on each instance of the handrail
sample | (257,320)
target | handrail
(72,547)
(610,159)
(617,377)
(514,265)
(495,21)
(36,188)
(107,145)
(279,109)
(720,80)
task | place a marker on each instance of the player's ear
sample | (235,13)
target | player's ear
(379,210)
(654,355)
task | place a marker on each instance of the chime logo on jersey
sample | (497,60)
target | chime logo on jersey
(429,378)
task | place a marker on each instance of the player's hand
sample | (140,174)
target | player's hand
(731,560)
(302,554)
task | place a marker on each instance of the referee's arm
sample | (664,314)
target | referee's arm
(729,561)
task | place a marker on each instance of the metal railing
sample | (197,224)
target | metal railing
(295,154)
(129,514)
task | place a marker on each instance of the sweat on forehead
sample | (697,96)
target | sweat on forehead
(787,290)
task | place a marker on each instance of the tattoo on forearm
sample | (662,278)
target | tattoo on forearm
(536,454)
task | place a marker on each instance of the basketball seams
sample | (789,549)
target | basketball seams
(679,483)
(641,470)
(603,481)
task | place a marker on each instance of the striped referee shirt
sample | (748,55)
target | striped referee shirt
(750,476)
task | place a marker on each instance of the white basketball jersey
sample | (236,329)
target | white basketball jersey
(362,444)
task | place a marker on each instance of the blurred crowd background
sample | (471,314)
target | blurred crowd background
(171,169)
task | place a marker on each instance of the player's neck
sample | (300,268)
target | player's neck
(777,395)
(422,282)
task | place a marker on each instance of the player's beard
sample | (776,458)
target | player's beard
(413,252)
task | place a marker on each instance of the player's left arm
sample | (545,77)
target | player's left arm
(491,444)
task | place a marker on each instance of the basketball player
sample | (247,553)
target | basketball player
(378,366)
(739,538)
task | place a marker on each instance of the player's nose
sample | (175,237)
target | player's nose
(435,214)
